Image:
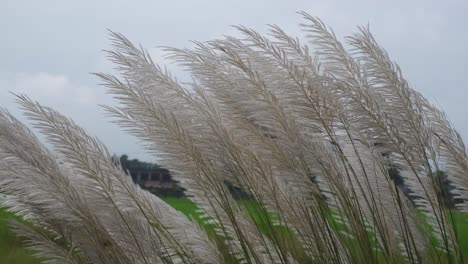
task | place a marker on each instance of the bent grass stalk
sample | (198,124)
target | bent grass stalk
(312,133)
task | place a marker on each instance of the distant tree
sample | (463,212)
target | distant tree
(445,189)
(135,164)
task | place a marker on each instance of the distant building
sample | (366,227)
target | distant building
(151,177)
(156,180)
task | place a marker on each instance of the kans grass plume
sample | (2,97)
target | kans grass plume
(341,158)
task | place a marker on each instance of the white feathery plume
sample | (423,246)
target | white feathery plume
(154,89)
(137,210)
(53,203)
(209,69)
(313,137)
(363,106)
(423,126)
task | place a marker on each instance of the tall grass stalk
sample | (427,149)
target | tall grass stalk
(312,132)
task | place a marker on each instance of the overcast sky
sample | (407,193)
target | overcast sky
(48,48)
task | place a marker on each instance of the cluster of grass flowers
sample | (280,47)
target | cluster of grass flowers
(312,133)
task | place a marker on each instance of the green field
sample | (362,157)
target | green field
(12,249)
